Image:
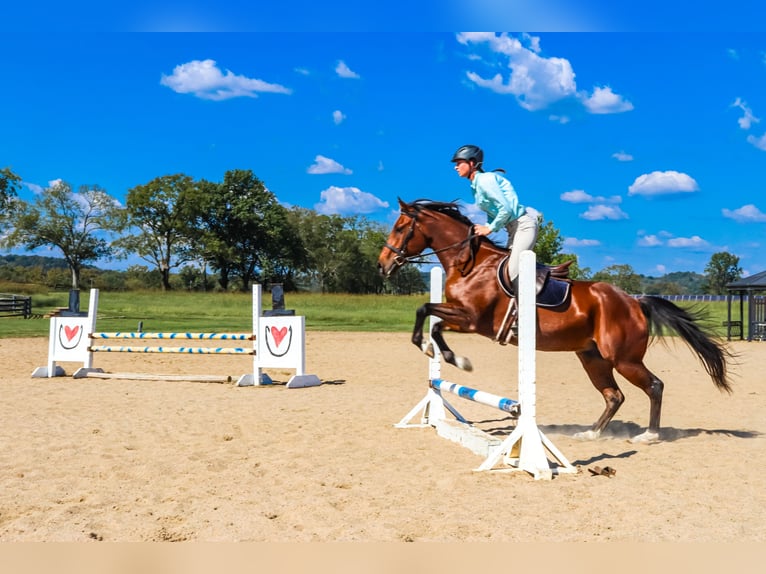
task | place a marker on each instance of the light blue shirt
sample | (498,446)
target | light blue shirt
(495,196)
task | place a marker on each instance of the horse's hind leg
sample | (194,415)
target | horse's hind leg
(600,373)
(637,373)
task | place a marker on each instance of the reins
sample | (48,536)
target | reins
(402,258)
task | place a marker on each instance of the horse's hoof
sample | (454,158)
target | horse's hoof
(647,437)
(428,349)
(587,435)
(463,363)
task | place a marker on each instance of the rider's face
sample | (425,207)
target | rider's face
(463,168)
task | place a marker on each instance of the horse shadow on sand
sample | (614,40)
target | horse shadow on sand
(617,430)
(283,383)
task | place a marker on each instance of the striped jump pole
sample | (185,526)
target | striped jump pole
(176,336)
(508,405)
(172,350)
(278,341)
(434,406)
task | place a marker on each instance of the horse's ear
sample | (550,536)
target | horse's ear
(402,205)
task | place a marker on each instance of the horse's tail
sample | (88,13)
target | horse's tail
(661,314)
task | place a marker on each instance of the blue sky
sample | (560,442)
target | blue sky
(645,148)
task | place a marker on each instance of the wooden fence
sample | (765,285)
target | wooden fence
(15,305)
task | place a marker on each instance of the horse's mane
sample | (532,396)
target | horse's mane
(448,208)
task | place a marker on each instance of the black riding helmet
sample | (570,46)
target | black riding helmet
(469,153)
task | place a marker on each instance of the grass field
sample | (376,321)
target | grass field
(232,312)
(205,312)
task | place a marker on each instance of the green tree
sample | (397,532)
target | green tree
(722,269)
(548,249)
(9,186)
(358,269)
(322,236)
(243,231)
(160,212)
(342,252)
(408,280)
(549,241)
(621,276)
(73,223)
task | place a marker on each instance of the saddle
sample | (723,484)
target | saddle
(552,289)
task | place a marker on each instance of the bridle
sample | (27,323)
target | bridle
(401,254)
(402,258)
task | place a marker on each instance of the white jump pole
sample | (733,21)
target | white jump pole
(524,449)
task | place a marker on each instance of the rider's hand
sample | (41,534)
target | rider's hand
(482,229)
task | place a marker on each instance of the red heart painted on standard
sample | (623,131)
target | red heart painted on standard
(71,332)
(278,334)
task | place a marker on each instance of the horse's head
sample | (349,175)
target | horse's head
(420,223)
(404,241)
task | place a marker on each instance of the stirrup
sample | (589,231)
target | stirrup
(509,327)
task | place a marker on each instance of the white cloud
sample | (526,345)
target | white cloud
(338,117)
(576,196)
(348,201)
(662,182)
(537,81)
(344,71)
(661,268)
(580,196)
(745,214)
(600,212)
(649,241)
(622,156)
(747,119)
(205,80)
(324,165)
(760,142)
(559,119)
(574,242)
(605,101)
(694,242)
(746,122)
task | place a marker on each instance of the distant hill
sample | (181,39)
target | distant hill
(675,283)
(37,261)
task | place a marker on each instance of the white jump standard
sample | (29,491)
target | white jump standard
(525,448)
(277,342)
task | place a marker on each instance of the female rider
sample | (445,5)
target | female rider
(495,195)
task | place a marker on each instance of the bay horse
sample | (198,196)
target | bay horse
(605,327)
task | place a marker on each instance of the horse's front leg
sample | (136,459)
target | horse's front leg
(457,319)
(417,329)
